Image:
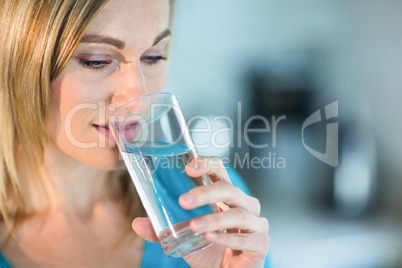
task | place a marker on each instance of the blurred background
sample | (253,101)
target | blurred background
(285,60)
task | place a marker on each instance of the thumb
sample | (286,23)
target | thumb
(143,227)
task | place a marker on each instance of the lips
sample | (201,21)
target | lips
(101,126)
(124,125)
(124,131)
(105,131)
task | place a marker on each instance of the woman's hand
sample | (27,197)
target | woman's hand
(246,242)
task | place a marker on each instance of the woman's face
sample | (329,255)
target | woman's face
(119,58)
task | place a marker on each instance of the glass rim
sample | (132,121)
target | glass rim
(137,99)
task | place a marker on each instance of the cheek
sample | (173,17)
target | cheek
(67,106)
(73,109)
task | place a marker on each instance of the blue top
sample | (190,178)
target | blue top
(153,255)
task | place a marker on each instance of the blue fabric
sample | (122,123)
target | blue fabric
(153,255)
(3,262)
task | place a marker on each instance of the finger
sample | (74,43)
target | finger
(219,192)
(235,218)
(143,227)
(212,166)
(255,245)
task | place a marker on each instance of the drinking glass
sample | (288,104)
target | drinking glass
(154,141)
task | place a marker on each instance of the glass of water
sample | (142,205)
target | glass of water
(154,141)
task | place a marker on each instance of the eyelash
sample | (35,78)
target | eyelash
(153,59)
(101,64)
(95,64)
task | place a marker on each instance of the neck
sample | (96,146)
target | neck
(70,185)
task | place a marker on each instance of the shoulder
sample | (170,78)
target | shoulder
(3,262)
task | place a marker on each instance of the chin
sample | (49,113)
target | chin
(108,159)
(103,158)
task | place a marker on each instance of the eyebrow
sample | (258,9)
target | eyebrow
(101,39)
(161,36)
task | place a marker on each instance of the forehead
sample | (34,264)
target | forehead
(134,21)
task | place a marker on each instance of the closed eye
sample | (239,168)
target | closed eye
(152,59)
(95,64)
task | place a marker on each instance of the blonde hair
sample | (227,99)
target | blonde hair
(37,39)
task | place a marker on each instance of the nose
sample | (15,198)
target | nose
(129,84)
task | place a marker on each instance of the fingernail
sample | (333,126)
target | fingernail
(134,221)
(213,235)
(194,165)
(200,224)
(188,198)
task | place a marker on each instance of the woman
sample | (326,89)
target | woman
(65,200)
